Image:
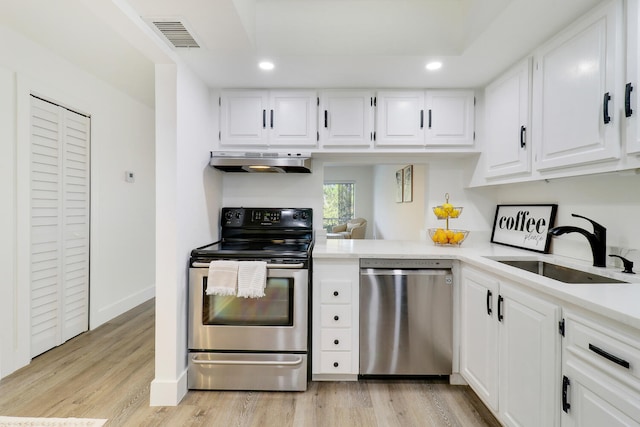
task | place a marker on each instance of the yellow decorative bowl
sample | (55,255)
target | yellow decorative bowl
(442,237)
(441,213)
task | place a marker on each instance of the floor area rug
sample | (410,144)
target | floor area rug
(50,422)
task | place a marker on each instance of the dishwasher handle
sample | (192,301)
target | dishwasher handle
(403,272)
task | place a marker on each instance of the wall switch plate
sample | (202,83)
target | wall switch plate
(129,176)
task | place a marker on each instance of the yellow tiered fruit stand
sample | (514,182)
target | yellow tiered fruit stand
(446,236)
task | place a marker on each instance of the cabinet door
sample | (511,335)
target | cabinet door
(576,92)
(479,335)
(400,118)
(449,117)
(594,400)
(529,359)
(631,103)
(346,118)
(292,118)
(507,111)
(243,117)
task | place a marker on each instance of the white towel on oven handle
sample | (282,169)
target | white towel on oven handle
(252,278)
(222,278)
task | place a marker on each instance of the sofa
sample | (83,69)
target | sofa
(352,229)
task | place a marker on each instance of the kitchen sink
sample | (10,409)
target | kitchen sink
(558,272)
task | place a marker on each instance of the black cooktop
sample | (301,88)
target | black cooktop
(277,235)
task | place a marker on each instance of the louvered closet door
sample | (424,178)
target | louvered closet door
(59,225)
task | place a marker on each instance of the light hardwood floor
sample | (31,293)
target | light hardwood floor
(106,373)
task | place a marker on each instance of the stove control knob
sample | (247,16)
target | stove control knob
(304,215)
(228,215)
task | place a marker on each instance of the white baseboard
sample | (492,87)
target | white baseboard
(457,379)
(104,314)
(168,393)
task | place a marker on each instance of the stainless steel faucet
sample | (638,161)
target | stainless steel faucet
(597,239)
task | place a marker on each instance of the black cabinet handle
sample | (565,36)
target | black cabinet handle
(605,108)
(523,131)
(421,119)
(271,119)
(429,119)
(336,342)
(336,364)
(489,294)
(336,318)
(336,293)
(565,388)
(627,100)
(609,356)
(326,118)
(264,119)
(500,300)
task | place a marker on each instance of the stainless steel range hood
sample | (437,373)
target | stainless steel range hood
(253,162)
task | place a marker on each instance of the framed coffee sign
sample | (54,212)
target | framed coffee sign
(524,226)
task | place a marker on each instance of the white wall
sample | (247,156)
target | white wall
(362,176)
(122,215)
(612,200)
(450,176)
(276,190)
(432,179)
(393,220)
(7,221)
(187,214)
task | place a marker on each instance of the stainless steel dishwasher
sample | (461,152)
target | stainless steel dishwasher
(406,316)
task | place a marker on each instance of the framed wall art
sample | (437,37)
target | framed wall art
(399,184)
(524,226)
(407,192)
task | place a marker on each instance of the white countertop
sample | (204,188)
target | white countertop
(618,301)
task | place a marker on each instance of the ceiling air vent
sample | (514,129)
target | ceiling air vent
(176,33)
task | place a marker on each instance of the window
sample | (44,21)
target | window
(338,203)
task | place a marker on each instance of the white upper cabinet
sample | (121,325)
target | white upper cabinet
(507,111)
(449,117)
(345,118)
(243,117)
(268,118)
(292,118)
(578,91)
(400,118)
(631,103)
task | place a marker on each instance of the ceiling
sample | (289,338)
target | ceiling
(313,43)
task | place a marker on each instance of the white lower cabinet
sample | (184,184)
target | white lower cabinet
(510,349)
(479,334)
(335,319)
(600,374)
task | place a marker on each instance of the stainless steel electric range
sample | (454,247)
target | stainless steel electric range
(260,343)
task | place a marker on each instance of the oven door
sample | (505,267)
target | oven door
(275,322)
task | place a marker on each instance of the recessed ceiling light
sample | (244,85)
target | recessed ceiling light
(435,65)
(266,65)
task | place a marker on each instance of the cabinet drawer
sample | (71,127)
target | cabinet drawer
(335,316)
(335,362)
(335,339)
(335,291)
(618,354)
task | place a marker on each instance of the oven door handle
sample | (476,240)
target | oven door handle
(290,266)
(296,361)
